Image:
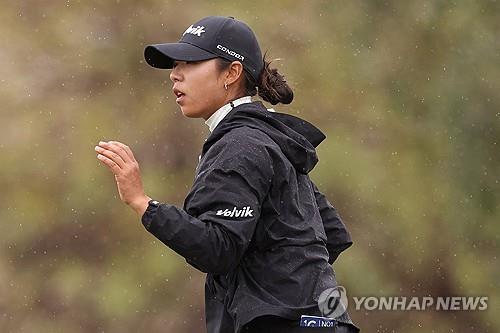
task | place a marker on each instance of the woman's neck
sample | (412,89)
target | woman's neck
(226,101)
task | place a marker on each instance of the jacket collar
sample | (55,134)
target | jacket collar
(218,115)
(296,137)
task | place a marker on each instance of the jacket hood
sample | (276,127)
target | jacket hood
(296,137)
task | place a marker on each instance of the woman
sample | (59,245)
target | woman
(253,220)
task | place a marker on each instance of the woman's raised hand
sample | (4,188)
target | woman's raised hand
(119,158)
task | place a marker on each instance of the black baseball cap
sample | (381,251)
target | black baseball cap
(211,37)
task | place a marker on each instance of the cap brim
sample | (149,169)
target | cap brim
(164,55)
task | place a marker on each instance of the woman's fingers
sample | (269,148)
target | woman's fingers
(112,165)
(115,152)
(125,148)
(111,153)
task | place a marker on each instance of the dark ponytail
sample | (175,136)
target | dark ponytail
(271,87)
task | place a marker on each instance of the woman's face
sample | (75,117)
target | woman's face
(198,87)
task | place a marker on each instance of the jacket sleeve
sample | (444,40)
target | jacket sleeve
(224,206)
(338,238)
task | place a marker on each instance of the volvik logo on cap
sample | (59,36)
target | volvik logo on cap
(195,31)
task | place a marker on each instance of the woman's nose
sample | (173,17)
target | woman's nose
(175,74)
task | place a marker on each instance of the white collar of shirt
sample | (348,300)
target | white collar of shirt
(218,115)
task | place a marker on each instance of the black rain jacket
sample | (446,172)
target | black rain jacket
(255,222)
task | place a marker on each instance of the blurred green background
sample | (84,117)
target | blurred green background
(406,91)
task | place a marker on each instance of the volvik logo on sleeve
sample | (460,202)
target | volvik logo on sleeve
(194,31)
(244,212)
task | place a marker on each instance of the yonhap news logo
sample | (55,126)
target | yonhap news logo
(333,303)
(415,303)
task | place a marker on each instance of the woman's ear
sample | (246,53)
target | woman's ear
(234,72)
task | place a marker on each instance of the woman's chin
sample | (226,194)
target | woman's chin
(189,113)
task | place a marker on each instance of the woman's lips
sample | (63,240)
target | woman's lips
(179,94)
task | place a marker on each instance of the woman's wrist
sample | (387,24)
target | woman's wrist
(140,205)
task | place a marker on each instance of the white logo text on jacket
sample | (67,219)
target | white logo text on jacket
(244,212)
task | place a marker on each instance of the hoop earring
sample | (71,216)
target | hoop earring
(225,86)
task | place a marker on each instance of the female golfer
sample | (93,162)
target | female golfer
(253,219)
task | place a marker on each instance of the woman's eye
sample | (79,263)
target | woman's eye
(176,63)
